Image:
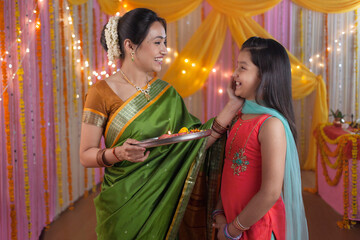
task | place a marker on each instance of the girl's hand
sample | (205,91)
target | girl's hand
(130,152)
(220,230)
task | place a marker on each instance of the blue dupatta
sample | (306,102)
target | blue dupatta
(296,224)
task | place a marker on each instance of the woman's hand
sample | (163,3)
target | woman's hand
(130,152)
(231,93)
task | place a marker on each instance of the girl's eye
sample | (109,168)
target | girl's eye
(157,43)
(165,43)
(242,68)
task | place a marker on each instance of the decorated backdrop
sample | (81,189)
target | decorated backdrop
(50,55)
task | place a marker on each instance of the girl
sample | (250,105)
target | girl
(261,187)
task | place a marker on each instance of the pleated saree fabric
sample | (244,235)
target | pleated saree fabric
(147,200)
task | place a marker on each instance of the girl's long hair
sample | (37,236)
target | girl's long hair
(274,67)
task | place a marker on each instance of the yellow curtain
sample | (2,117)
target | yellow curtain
(329,6)
(171,10)
(110,7)
(191,68)
(243,7)
(77,2)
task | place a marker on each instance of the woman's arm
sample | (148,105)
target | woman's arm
(273,151)
(227,114)
(90,143)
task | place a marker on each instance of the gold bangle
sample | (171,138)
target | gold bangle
(99,157)
(101,160)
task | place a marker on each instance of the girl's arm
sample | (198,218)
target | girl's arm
(90,145)
(273,151)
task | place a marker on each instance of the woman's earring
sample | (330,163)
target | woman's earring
(132,56)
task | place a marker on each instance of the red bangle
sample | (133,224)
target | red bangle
(113,151)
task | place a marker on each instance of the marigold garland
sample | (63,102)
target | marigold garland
(20,73)
(356,66)
(5,97)
(65,95)
(55,106)
(42,114)
(354,176)
(326,57)
(87,40)
(82,84)
(342,166)
(93,171)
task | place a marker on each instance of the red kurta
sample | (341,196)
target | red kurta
(241,180)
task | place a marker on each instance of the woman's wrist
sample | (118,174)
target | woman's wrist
(116,155)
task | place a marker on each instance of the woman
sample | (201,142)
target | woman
(144,193)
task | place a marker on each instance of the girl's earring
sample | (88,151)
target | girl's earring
(132,56)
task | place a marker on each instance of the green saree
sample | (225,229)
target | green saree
(147,200)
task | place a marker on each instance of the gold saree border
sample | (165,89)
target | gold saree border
(136,106)
(94,117)
(186,192)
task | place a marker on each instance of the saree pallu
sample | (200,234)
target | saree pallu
(147,200)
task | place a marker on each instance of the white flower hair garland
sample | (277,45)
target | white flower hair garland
(112,38)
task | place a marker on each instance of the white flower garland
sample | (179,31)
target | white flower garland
(112,39)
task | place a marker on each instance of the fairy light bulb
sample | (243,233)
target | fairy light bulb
(213,70)
(183,71)
(186,60)
(220,91)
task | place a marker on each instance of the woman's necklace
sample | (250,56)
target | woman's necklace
(239,161)
(146,91)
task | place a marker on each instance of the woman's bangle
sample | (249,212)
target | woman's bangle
(239,226)
(100,158)
(227,234)
(218,128)
(216,212)
(113,151)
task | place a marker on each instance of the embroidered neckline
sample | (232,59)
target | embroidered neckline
(239,160)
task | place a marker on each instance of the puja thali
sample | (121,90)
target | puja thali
(160,141)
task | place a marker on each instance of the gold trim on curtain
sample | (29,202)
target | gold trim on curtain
(329,6)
